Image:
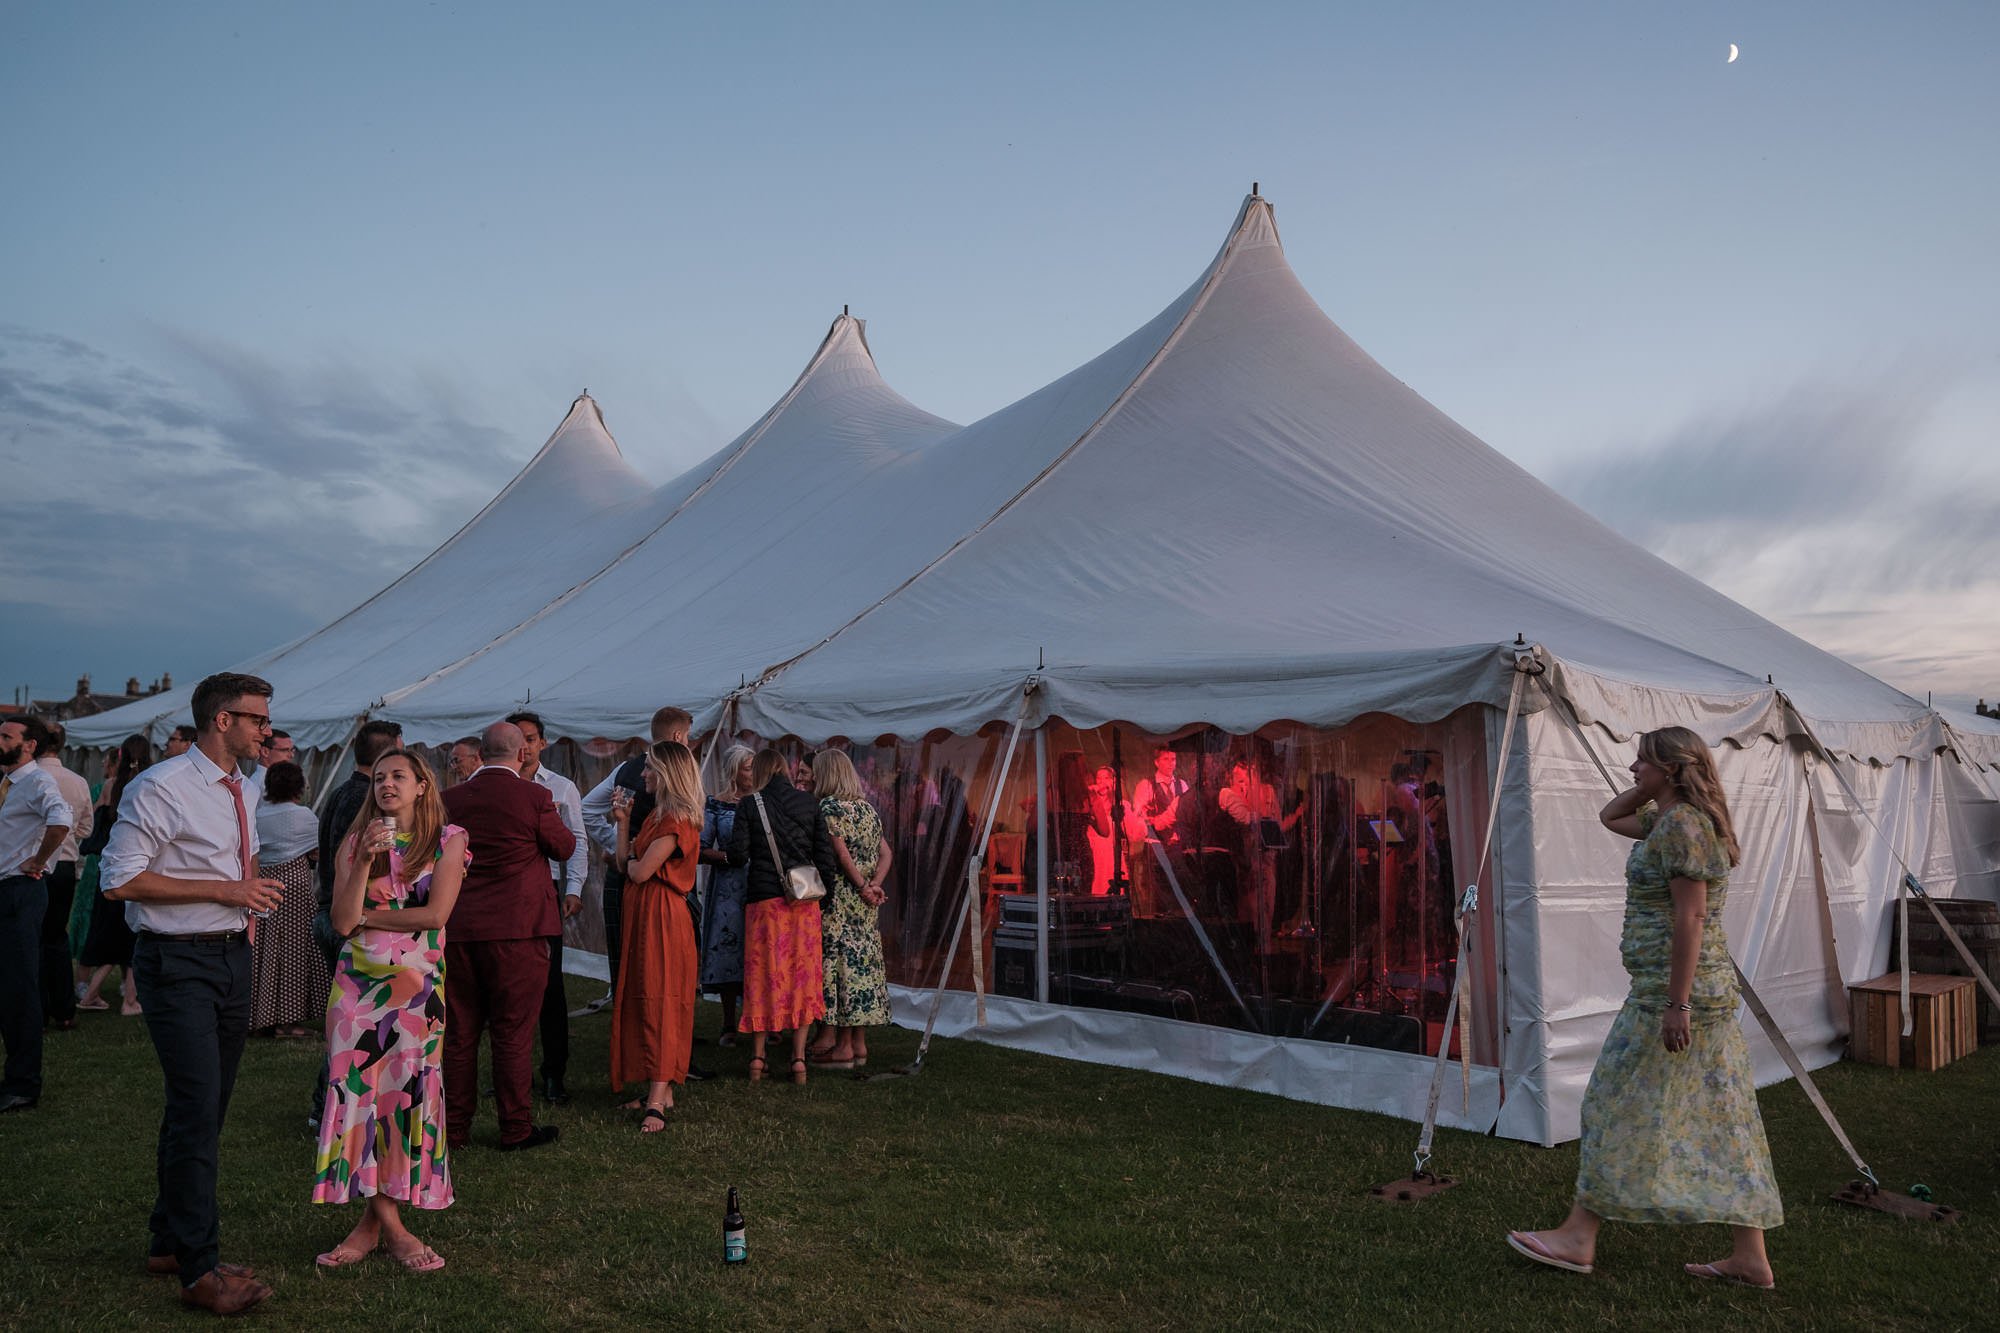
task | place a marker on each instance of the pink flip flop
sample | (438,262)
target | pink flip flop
(337,1257)
(423,1259)
(1528,1246)
(1710,1273)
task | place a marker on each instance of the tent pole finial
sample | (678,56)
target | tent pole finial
(1253,189)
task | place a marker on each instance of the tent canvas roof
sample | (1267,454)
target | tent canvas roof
(1232,516)
(1261,497)
(563,513)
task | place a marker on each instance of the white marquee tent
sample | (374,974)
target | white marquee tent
(1233,518)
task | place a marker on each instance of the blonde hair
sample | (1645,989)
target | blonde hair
(732,759)
(676,781)
(1690,767)
(426,822)
(834,778)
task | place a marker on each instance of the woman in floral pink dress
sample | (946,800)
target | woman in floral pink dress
(381,1135)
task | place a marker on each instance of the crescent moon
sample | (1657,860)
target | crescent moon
(1732,54)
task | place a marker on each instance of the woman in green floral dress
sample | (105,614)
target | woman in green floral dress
(857,983)
(1670,1125)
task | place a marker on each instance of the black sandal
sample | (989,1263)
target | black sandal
(651,1114)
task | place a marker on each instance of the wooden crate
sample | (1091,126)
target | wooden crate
(1978,924)
(1945,1027)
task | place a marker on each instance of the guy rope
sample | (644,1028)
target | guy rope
(1422,1182)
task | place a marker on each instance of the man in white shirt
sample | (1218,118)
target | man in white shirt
(569,877)
(183,860)
(276,749)
(58,995)
(1157,815)
(669,724)
(34,821)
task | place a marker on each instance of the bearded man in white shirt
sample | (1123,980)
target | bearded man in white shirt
(34,821)
(569,877)
(183,860)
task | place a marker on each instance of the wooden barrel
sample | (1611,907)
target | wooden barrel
(1978,924)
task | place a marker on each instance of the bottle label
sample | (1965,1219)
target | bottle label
(734,1251)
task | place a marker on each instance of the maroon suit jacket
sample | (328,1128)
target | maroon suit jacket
(515,831)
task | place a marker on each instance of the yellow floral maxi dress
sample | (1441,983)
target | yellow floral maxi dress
(1675,1137)
(857,983)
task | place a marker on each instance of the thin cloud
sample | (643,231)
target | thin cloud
(1834,509)
(261,503)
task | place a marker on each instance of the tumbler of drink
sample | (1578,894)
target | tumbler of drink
(381,852)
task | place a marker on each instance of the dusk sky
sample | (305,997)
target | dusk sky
(288,291)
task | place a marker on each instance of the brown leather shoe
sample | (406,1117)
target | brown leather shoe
(168,1265)
(223,1293)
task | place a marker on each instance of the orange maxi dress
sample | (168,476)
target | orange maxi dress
(652,1022)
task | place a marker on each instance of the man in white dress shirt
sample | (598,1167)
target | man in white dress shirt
(569,877)
(58,995)
(34,821)
(669,724)
(183,859)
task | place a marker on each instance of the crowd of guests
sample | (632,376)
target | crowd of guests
(434,919)
(416,914)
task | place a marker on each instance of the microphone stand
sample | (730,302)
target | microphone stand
(1120,884)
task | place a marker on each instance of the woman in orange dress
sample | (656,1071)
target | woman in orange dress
(652,1018)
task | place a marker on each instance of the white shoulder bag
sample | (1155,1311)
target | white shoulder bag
(802,883)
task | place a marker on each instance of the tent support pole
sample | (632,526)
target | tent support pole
(1041,865)
(333,772)
(1908,887)
(1207,945)
(971,900)
(1422,1182)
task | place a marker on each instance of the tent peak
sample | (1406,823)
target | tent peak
(845,327)
(583,410)
(1256,215)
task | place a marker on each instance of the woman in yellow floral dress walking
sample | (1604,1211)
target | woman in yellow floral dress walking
(1670,1125)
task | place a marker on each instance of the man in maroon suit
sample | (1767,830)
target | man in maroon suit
(497,941)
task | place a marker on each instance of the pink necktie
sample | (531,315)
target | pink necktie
(235,785)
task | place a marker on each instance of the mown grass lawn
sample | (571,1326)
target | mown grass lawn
(998,1189)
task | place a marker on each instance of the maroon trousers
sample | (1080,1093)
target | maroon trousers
(493,984)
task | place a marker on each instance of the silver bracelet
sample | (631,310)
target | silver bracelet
(1684,1008)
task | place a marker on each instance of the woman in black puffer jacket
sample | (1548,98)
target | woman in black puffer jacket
(784,989)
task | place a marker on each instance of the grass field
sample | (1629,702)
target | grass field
(998,1189)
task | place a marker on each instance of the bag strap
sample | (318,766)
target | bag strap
(770,838)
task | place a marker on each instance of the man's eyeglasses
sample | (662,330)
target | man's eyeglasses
(261,721)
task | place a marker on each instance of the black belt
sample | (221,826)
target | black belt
(206,937)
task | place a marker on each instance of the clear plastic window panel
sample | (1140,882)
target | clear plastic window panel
(1298,882)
